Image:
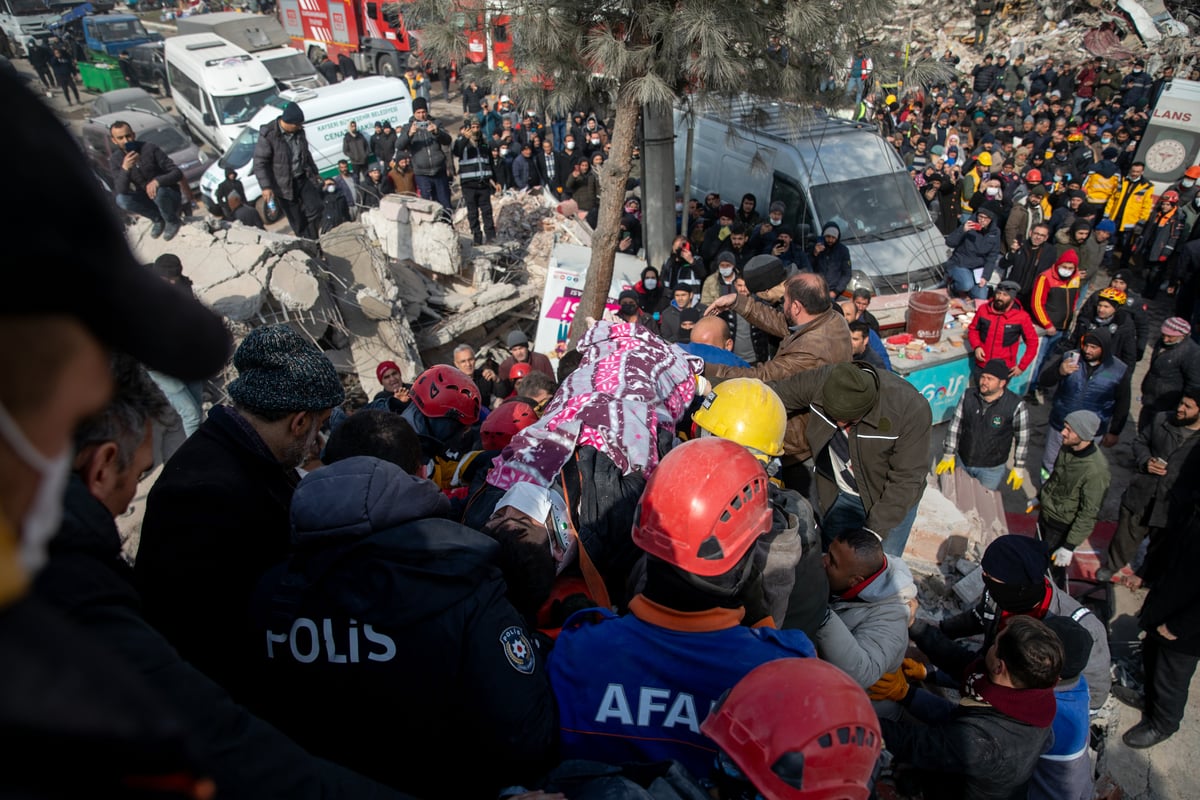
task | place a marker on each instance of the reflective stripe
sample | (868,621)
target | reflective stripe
(1080,613)
(476,168)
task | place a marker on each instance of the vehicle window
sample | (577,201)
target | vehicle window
(798,214)
(121,31)
(168,137)
(499,33)
(147,104)
(871,208)
(373,10)
(241,151)
(393,15)
(238,109)
(185,86)
(290,67)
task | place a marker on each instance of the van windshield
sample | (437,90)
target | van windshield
(238,109)
(121,31)
(169,138)
(289,68)
(242,150)
(871,208)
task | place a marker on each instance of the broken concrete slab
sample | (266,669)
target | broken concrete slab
(372,305)
(435,246)
(939,531)
(495,293)
(970,588)
(240,298)
(294,284)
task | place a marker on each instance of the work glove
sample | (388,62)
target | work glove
(946,465)
(1017,477)
(892,686)
(914,670)
(1062,557)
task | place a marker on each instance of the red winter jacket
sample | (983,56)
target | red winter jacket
(1000,334)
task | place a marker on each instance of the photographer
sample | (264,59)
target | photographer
(681,263)
(475,180)
(146,181)
(424,139)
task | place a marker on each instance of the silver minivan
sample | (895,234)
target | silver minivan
(824,170)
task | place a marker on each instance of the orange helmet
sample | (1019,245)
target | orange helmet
(799,729)
(444,391)
(704,506)
(509,419)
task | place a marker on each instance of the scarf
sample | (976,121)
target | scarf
(1035,707)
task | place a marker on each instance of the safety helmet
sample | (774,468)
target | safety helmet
(445,392)
(1192,172)
(1033,176)
(799,729)
(704,507)
(891,98)
(519,370)
(746,411)
(1115,295)
(509,419)
(985,159)
(1171,196)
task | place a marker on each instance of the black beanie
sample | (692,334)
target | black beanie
(1016,559)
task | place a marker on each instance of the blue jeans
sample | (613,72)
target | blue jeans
(163,208)
(559,130)
(847,513)
(962,281)
(855,86)
(991,477)
(1045,346)
(435,187)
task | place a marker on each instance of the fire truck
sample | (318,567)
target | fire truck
(489,38)
(370,33)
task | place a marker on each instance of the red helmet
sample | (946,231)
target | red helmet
(799,729)
(1171,196)
(506,422)
(704,506)
(1033,176)
(519,370)
(444,391)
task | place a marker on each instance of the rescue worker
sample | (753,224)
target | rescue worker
(444,410)
(636,688)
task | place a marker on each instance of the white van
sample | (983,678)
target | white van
(1171,142)
(824,170)
(217,87)
(328,111)
(263,38)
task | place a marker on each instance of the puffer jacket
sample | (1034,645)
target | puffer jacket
(867,634)
(428,157)
(825,340)
(1053,302)
(1103,389)
(273,160)
(1000,334)
(975,249)
(1172,369)
(889,446)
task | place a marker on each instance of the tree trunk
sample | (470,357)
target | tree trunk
(608,223)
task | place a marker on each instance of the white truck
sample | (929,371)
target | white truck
(265,40)
(1171,142)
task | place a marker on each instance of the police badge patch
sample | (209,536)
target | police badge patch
(518,650)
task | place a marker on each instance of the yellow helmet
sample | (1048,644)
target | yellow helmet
(891,98)
(746,411)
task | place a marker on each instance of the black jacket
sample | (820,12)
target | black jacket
(428,158)
(383,145)
(355,148)
(1172,369)
(1174,597)
(216,520)
(385,610)
(87,579)
(273,160)
(152,164)
(562,171)
(1148,495)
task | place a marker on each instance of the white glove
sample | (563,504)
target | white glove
(1062,557)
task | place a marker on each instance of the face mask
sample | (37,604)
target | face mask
(678,207)
(777,221)
(570,145)
(503,151)
(628,309)
(1065,273)
(330,189)
(992,191)
(45,514)
(1187,183)
(650,283)
(595,141)
(725,271)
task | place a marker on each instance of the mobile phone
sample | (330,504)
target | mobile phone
(687,246)
(133,147)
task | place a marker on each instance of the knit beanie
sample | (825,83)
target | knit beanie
(1013,558)
(849,392)
(280,370)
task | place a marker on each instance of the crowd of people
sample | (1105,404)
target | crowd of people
(671,565)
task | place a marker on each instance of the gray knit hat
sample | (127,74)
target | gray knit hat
(280,370)
(1086,424)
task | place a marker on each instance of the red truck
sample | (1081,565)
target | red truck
(374,35)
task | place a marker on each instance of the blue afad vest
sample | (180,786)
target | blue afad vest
(628,690)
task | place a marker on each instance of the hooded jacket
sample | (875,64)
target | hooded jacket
(1103,388)
(867,634)
(385,610)
(90,582)
(833,263)
(1173,368)
(824,340)
(1053,300)
(975,249)
(1121,332)
(1130,204)
(889,446)
(1000,334)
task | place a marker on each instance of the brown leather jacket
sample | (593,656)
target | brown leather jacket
(825,340)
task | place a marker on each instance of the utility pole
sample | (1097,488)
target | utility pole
(658,185)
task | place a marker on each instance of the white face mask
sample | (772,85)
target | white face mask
(992,191)
(650,283)
(776,222)
(570,145)
(725,271)
(503,151)
(330,188)
(1187,183)
(45,514)
(595,141)
(1065,273)
(678,207)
